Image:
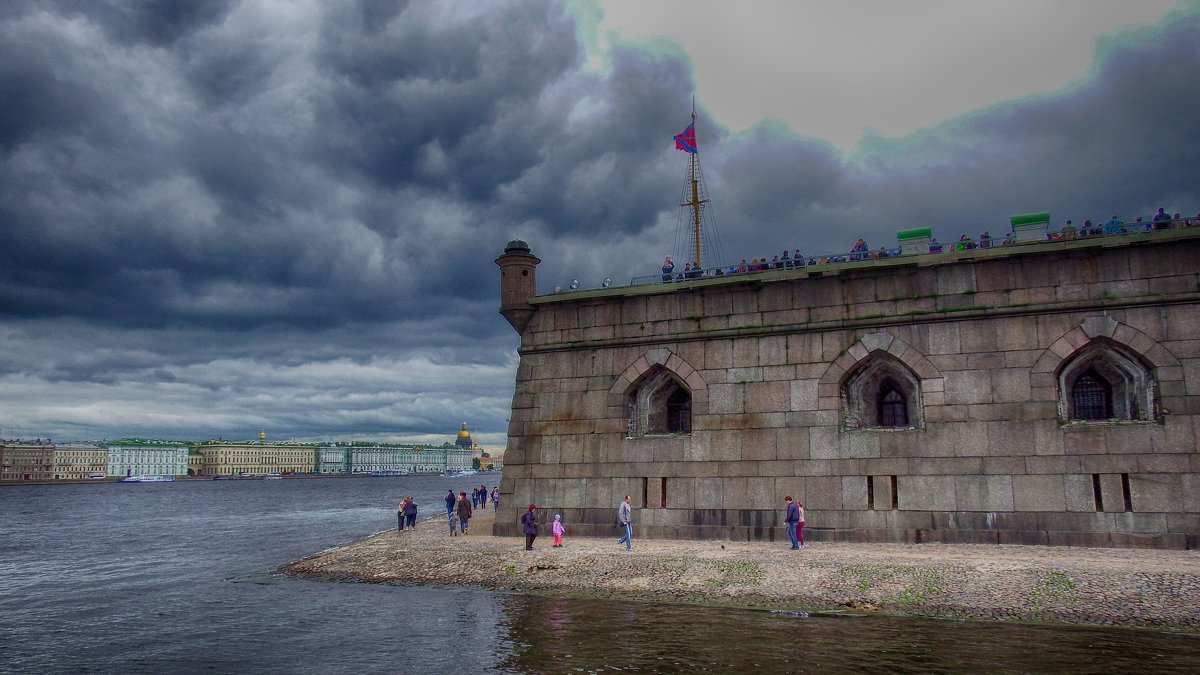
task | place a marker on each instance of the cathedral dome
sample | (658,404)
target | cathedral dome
(464,437)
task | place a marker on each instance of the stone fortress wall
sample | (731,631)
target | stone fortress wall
(924,398)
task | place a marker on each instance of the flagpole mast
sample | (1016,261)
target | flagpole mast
(687,141)
(696,196)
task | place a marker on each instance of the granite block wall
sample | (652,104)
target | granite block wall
(992,454)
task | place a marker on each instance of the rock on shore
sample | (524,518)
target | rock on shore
(1124,587)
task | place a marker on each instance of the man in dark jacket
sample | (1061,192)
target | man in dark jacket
(410,513)
(793,517)
(463,511)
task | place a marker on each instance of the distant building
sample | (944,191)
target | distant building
(375,458)
(195,462)
(332,460)
(26,461)
(81,460)
(139,457)
(222,458)
(458,457)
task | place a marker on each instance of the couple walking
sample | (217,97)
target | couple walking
(795,522)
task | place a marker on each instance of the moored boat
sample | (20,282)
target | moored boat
(148,479)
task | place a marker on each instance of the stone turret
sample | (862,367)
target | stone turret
(518,283)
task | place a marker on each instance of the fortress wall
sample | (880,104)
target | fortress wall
(765,357)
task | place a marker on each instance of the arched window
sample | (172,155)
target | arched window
(881,393)
(659,404)
(679,412)
(1104,381)
(893,407)
(1092,397)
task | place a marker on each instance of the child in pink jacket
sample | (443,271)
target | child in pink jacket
(558,530)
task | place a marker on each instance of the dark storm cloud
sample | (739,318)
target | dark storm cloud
(155,22)
(235,213)
(1120,140)
(1117,142)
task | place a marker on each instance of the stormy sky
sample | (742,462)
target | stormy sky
(225,216)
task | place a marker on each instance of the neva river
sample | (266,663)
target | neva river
(178,578)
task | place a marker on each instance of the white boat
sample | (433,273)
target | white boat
(148,479)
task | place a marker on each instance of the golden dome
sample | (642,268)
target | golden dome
(464,438)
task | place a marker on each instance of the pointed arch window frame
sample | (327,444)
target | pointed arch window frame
(658,403)
(1131,392)
(864,387)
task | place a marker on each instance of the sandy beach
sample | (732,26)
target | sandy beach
(1122,587)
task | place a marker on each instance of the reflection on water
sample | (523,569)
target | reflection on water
(567,635)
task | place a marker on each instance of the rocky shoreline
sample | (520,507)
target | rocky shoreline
(1118,587)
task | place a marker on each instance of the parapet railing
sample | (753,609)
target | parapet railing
(858,256)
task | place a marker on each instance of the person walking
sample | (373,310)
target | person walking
(625,520)
(792,519)
(463,511)
(450,500)
(400,515)
(495,496)
(410,513)
(800,525)
(558,530)
(483,496)
(529,524)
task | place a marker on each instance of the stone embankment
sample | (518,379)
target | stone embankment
(1123,587)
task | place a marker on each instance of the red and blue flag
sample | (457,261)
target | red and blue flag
(686,140)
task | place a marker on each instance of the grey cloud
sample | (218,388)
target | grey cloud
(232,231)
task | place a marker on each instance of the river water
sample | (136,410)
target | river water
(178,578)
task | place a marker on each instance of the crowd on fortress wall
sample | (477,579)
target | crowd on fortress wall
(861,251)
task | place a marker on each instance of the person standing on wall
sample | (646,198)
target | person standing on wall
(793,521)
(625,520)
(529,524)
